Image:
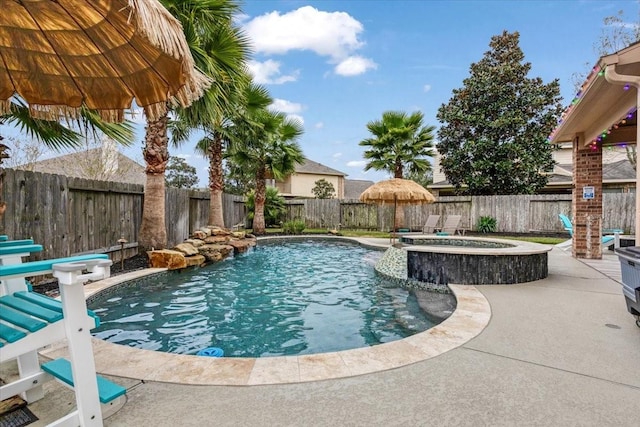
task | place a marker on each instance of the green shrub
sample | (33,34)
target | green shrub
(487,224)
(293,227)
(274,206)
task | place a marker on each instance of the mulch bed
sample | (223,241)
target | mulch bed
(49,286)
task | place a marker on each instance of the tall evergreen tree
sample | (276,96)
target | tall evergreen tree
(495,128)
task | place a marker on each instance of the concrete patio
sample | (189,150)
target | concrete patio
(559,351)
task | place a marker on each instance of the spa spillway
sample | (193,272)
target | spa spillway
(473,261)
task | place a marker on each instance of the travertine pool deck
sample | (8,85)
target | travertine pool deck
(561,351)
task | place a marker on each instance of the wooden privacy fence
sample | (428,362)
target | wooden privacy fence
(70,215)
(513,214)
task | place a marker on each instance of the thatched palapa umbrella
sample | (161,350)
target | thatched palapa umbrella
(59,56)
(397,191)
(62,55)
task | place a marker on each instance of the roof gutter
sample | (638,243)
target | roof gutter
(612,76)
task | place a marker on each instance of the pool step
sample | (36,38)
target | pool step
(61,369)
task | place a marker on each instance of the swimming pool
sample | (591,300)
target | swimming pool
(292,298)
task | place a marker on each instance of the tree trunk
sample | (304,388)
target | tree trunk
(153,231)
(216,182)
(260,197)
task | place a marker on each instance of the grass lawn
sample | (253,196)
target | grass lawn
(545,240)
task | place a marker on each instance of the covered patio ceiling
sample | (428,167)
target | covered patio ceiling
(604,111)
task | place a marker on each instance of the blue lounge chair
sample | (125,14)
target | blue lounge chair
(606,240)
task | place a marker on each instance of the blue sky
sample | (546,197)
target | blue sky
(340,64)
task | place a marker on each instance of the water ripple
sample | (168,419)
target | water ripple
(279,299)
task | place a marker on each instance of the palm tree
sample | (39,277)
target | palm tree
(201,21)
(269,149)
(399,144)
(252,98)
(247,98)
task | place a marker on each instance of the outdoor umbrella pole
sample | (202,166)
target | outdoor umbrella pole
(393,229)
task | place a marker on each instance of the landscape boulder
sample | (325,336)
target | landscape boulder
(215,253)
(217,239)
(199,234)
(195,260)
(241,246)
(167,258)
(186,248)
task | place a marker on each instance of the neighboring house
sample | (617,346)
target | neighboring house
(618,175)
(102,164)
(353,188)
(303,180)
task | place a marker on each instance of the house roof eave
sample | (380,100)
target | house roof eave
(600,103)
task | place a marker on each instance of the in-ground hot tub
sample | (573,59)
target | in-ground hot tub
(441,260)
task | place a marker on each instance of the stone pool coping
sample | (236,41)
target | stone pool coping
(517,247)
(471,316)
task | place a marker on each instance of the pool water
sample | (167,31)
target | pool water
(279,299)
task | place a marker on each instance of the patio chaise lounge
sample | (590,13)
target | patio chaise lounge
(431,224)
(451,224)
(31,321)
(606,240)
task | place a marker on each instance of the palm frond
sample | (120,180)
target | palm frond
(51,133)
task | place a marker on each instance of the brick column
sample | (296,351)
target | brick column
(587,213)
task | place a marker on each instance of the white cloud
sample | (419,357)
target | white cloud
(333,34)
(329,34)
(268,72)
(285,106)
(184,156)
(426,88)
(336,155)
(354,65)
(319,125)
(356,163)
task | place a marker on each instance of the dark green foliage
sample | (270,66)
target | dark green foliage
(293,227)
(422,178)
(486,224)
(399,144)
(323,189)
(237,180)
(274,206)
(494,134)
(180,174)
